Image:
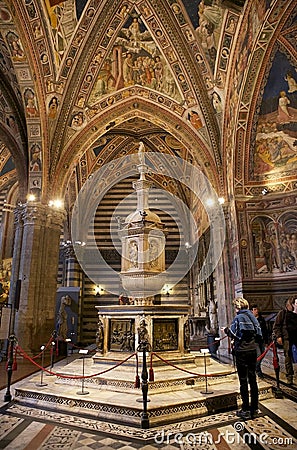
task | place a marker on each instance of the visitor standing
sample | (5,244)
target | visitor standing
(261,344)
(244,331)
(285,333)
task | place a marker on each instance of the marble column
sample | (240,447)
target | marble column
(72,268)
(37,270)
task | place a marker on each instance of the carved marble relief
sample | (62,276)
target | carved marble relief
(122,335)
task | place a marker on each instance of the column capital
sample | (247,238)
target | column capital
(39,214)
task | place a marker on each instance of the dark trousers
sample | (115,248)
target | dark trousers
(260,350)
(246,370)
(288,359)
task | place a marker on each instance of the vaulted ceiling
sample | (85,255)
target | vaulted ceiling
(82,82)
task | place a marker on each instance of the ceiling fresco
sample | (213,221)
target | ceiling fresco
(212,79)
(135,59)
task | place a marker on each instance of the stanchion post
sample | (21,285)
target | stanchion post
(67,340)
(53,354)
(42,348)
(54,337)
(11,340)
(278,392)
(83,392)
(205,351)
(144,347)
(72,343)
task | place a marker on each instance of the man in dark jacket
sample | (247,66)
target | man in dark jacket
(244,331)
(285,333)
(261,344)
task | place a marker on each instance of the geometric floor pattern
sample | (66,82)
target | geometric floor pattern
(38,428)
(32,428)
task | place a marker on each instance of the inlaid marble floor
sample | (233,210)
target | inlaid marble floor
(28,428)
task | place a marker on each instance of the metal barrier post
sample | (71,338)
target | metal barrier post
(144,347)
(12,340)
(42,348)
(82,392)
(204,351)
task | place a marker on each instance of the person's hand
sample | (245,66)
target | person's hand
(279,341)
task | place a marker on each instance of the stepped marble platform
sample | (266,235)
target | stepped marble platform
(173,395)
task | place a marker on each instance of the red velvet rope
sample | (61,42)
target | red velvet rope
(200,374)
(187,371)
(73,377)
(266,350)
(22,353)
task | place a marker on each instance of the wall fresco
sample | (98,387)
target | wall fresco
(276,139)
(275,244)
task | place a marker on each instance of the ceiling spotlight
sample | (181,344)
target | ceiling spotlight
(57,203)
(210,202)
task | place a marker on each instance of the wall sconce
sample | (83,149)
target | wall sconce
(167,290)
(31,197)
(98,290)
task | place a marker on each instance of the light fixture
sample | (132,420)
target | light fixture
(265,191)
(31,197)
(221,200)
(166,290)
(82,243)
(57,203)
(98,290)
(210,202)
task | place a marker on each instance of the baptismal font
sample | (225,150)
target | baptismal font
(143,245)
(143,276)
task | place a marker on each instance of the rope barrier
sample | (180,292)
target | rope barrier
(185,370)
(195,373)
(73,377)
(21,352)
(260,357)
(46,346)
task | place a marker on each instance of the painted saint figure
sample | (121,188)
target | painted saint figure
(283,103)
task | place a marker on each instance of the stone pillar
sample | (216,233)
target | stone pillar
(34,322)
(16,257)
(72,268)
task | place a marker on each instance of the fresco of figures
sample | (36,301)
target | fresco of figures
(275,244)
(134,59)
(276,141)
